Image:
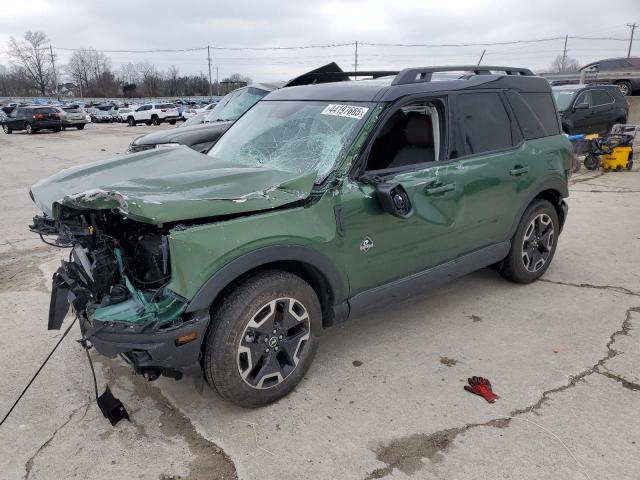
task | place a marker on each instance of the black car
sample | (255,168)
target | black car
(202,137)
(31,119)
(590,108)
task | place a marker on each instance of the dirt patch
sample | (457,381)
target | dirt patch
(356,363)
(449,362)
(406,453)
(209,461)
(20,269)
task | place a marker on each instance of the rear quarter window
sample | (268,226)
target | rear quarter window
(543,106)
(601,97)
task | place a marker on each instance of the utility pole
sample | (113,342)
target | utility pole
(355,65)
(633,27)
(53,66)
(217,83)
(210,84)
(482,56)
(564,53)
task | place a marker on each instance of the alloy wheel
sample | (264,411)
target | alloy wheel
(537,243)
(273,342)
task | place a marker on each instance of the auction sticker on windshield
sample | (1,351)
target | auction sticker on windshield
(350,111)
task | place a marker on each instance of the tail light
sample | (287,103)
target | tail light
(163,109)
(39,116)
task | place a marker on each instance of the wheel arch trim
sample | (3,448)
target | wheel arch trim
(209,291)
(554,184)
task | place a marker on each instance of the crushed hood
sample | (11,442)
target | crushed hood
(170,185)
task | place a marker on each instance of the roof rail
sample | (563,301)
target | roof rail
(423,74)
(373,73)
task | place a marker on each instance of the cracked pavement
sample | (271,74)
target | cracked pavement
(384,397)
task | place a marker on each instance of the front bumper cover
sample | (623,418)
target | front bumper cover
(145,349)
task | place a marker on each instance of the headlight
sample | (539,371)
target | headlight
(168,145)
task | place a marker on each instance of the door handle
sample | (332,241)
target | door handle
(518,170)
(441,189)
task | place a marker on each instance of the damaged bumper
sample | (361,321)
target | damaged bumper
(170,348)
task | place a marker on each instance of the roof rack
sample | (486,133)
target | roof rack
(417,75)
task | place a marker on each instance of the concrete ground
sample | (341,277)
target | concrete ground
(384,397)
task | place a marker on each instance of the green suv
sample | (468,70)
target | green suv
(321,202)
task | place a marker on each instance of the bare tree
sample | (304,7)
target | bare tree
(32,56)
(566,66)
(173,75)
(150,78)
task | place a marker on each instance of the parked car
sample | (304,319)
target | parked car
(71,117)
(590,108)
(101,116)
(195,120)
(188,113)
(32,119)
(623,72)
(154,114)
(230,108)
(123,114)
(319,203)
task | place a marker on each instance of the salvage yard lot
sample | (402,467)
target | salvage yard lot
(384,397)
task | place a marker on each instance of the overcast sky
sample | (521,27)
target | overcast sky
(160,24)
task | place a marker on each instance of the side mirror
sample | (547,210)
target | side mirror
(581,106)
(394,199)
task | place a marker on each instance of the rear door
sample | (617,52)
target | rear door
(491,166)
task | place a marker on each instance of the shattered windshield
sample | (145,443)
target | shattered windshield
(292,136)
(232,106)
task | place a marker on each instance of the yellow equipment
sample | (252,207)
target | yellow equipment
(614,151)
(620,158)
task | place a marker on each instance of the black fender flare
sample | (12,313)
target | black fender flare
(556,183)
(208,292)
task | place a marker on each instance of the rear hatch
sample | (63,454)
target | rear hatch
(44,114)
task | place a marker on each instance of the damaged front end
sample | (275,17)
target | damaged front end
(115,281)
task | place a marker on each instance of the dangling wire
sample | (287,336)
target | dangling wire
(38,371)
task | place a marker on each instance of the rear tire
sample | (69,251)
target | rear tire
(7,129)
(131,122)
(80,127)
(172,122)
(625,87)
(29,129)
(57,129)
(244,360)
(533,245)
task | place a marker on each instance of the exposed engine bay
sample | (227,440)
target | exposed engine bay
(116,271)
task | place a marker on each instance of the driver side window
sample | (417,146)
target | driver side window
(409,137)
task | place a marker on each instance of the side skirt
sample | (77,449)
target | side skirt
(425,280)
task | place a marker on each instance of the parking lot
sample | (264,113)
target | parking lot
(384,397)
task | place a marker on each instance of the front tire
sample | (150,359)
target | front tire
(7,129)
(244,360)
(131,122)
(155,120)
(80,127)
(533,245)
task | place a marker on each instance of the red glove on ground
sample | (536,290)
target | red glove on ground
(481,386)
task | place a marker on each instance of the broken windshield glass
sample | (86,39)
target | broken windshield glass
(292,136)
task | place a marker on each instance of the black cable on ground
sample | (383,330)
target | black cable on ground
(39,370)
(93,372)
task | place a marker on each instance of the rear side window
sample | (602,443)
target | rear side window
(542,105)
(45,111)
(530,125)
(601,97)
(484,122)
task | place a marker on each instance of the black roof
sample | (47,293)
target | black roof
(416,80)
